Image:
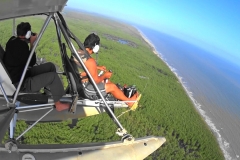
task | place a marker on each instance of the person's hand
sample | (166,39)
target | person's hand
(102,68)
(107,75)
(83,74)
(33,38)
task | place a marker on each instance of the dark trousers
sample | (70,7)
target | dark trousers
(41,76)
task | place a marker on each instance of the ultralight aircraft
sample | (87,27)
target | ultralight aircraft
(38,107)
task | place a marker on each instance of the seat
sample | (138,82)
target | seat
(5,80)
(9,88)
(2,52)
(75,86)
(73,76)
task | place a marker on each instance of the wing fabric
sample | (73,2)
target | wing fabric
(6,116)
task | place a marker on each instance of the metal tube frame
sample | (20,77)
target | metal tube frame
(19,108)
(34,109)
(58,34)
(71,46)
(13,123)
(34,106)
(34,124)
(14,119)
(14,27)
(60,29)
(4,93)
(31,54)
(12,126)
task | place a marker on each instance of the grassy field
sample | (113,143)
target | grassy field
(165,109)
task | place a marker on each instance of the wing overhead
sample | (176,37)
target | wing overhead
(18,8)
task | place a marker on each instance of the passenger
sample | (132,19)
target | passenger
(91,44)
(37,77)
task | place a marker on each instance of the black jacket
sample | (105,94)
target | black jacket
(15,58)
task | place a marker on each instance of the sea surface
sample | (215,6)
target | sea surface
(212,83)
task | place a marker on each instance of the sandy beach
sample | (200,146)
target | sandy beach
(149,43)
(223,144)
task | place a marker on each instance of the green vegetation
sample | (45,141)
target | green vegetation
(165,109)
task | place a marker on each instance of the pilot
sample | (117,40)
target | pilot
(91,44)
(37,77)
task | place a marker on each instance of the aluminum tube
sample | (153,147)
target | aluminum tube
(4,93)
(14,28)
(34,106)
(36,109)
(34,124)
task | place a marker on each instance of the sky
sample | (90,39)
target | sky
(213,25)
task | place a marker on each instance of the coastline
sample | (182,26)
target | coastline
(149,43)
(223,144)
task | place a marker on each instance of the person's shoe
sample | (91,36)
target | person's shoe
(134,106)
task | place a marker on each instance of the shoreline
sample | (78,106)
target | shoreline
(221,141)
(149,43)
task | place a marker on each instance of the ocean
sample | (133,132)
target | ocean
(212,83)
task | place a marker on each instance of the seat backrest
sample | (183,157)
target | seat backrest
(72,74)
(2,52)
(5,80)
